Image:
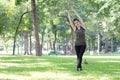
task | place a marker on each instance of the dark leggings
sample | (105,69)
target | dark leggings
(80,51)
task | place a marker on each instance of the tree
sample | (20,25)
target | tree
(17,31)
(35,28)
(25,33)
(5,27)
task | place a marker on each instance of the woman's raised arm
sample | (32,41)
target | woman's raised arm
(81,20)
(70,21)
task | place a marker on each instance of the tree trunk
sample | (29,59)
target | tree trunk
(25,35)
(6,47)
(4,42)
(93,44)
(35,29)
(55,38)
(18,49)
(99,43)
(30,45)
(41,46)
(67,47)
(72,42)
(51,47)
(106,45)
(89,45)
(64,46)
(112,50)
(115,44)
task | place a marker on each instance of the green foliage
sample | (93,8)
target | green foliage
(63,31)
(56,21)
(4,19)
(18,2)
(52,16)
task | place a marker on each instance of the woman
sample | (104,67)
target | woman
(80,43)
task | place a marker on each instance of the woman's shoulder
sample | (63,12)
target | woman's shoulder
(82,28)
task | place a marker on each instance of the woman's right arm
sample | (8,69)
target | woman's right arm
(81,20)
(70,21)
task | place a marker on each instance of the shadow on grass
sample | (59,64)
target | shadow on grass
(26,64)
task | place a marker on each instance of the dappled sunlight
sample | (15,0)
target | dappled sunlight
(53,76)
(98,77)
(27,59)
(33,65)
(4,65)
(102,57)
(57,67)
(43,64)
(13,60)
(103,78)
(12,77)
(68,56)
(109,61)
(49,75)
(117,72)
(37,64)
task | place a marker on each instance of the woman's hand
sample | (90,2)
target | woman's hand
(71,11)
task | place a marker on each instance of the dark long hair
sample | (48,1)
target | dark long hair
(79,21)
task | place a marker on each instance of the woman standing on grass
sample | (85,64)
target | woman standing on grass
(80,43)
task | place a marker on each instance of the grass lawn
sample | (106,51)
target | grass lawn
(58,68)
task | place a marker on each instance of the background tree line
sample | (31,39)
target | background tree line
(34,24)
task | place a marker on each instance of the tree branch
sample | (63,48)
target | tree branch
(17,30)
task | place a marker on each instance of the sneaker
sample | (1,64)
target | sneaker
(77,69)
(81,69)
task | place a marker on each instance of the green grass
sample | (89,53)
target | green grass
(58,67)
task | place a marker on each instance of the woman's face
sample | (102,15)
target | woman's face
(77,23)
